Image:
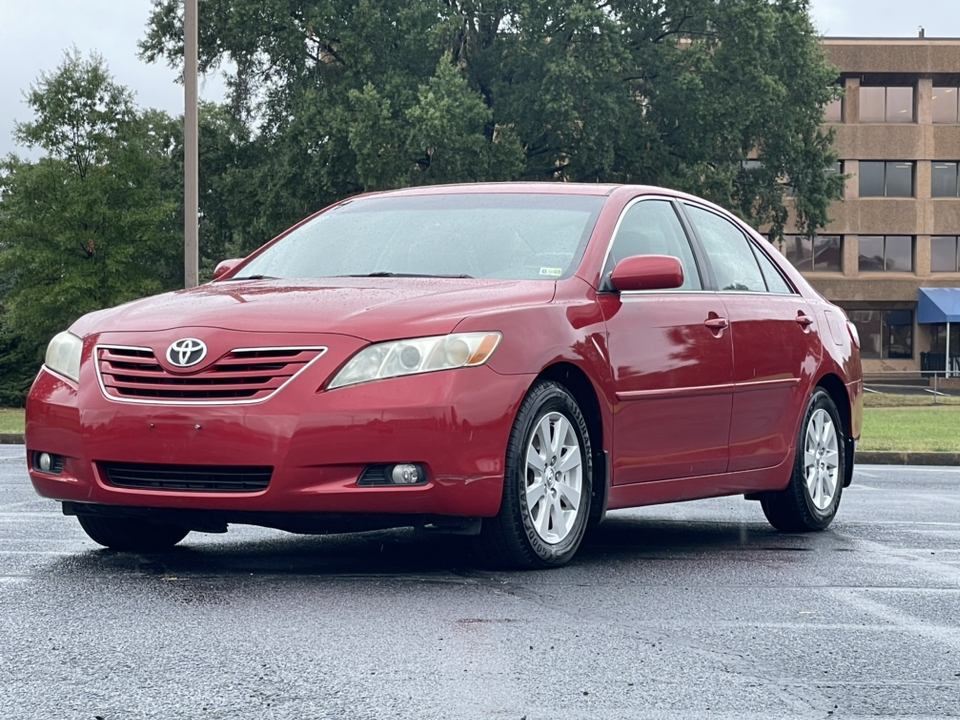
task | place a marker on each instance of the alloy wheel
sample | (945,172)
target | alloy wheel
(821,459)
(554,477)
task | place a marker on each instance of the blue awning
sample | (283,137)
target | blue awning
(938,305)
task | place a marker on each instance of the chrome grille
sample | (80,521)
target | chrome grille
(244,375)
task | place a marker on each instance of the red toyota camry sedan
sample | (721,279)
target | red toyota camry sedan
(509,361)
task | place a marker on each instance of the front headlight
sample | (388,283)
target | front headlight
(420,355)
(63,355)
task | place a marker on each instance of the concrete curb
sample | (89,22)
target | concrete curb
(864,457)
(867,457)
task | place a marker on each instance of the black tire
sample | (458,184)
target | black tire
(809,503)
(549,533)
(135,535)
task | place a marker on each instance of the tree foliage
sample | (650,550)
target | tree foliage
(346,96)
(96,221)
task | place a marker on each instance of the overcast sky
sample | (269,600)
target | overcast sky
(34,34)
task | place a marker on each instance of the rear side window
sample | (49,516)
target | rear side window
(651,227)
(728,251)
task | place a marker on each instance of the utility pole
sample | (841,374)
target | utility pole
(191,194)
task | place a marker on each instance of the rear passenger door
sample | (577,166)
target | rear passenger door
(775,344)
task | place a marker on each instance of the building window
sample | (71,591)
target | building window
(833,111)
(837,169)
(935,360)
(818,254)
(886,253)
(945,104)
(834,169)
(943,253)
(884,333)
(943,179)
(886,104)
(886,179)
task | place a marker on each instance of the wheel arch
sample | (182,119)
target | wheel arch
(576,381)
(837,391)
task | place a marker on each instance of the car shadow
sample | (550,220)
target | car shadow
(405,552)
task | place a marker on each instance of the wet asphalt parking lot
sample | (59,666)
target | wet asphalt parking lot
(694,610)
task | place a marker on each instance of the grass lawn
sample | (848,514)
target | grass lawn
(890,422)
(916,429)
(11,420)
(911,423)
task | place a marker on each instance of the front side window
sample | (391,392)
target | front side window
(884,333)
(945,108)
(651,227)
(886,253)
(728,251)
(538,236)
(943,179)
(818,254)
(943,253)
(886,104)
(886,179)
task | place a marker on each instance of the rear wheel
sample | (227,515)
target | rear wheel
(131,534)
(547,484)
(811,499)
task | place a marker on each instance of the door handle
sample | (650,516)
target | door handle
(804,321)
(716,323)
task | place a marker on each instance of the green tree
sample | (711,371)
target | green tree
(97,220)
(229,178)
(346,96)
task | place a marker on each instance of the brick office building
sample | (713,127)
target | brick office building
(894,241)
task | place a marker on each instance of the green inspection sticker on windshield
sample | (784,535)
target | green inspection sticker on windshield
(551,272)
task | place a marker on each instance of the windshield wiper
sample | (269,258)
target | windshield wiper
(254,277)
(382,273)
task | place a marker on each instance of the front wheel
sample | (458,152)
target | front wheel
(811,499)
(137,535)
(547,484)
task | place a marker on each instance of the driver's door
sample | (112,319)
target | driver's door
(671,359)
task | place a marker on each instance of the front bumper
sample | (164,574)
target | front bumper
(455,423)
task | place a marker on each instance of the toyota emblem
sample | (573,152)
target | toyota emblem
(186,352)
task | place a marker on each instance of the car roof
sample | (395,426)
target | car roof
(520,188)
(542,187)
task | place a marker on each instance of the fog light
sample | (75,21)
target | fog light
(406,474)
(392,475)
(47,462)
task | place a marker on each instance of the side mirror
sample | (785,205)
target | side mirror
(647,272)
(226,267)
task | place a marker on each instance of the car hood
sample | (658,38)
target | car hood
(373,309)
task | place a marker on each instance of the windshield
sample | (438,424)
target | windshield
(513,236)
